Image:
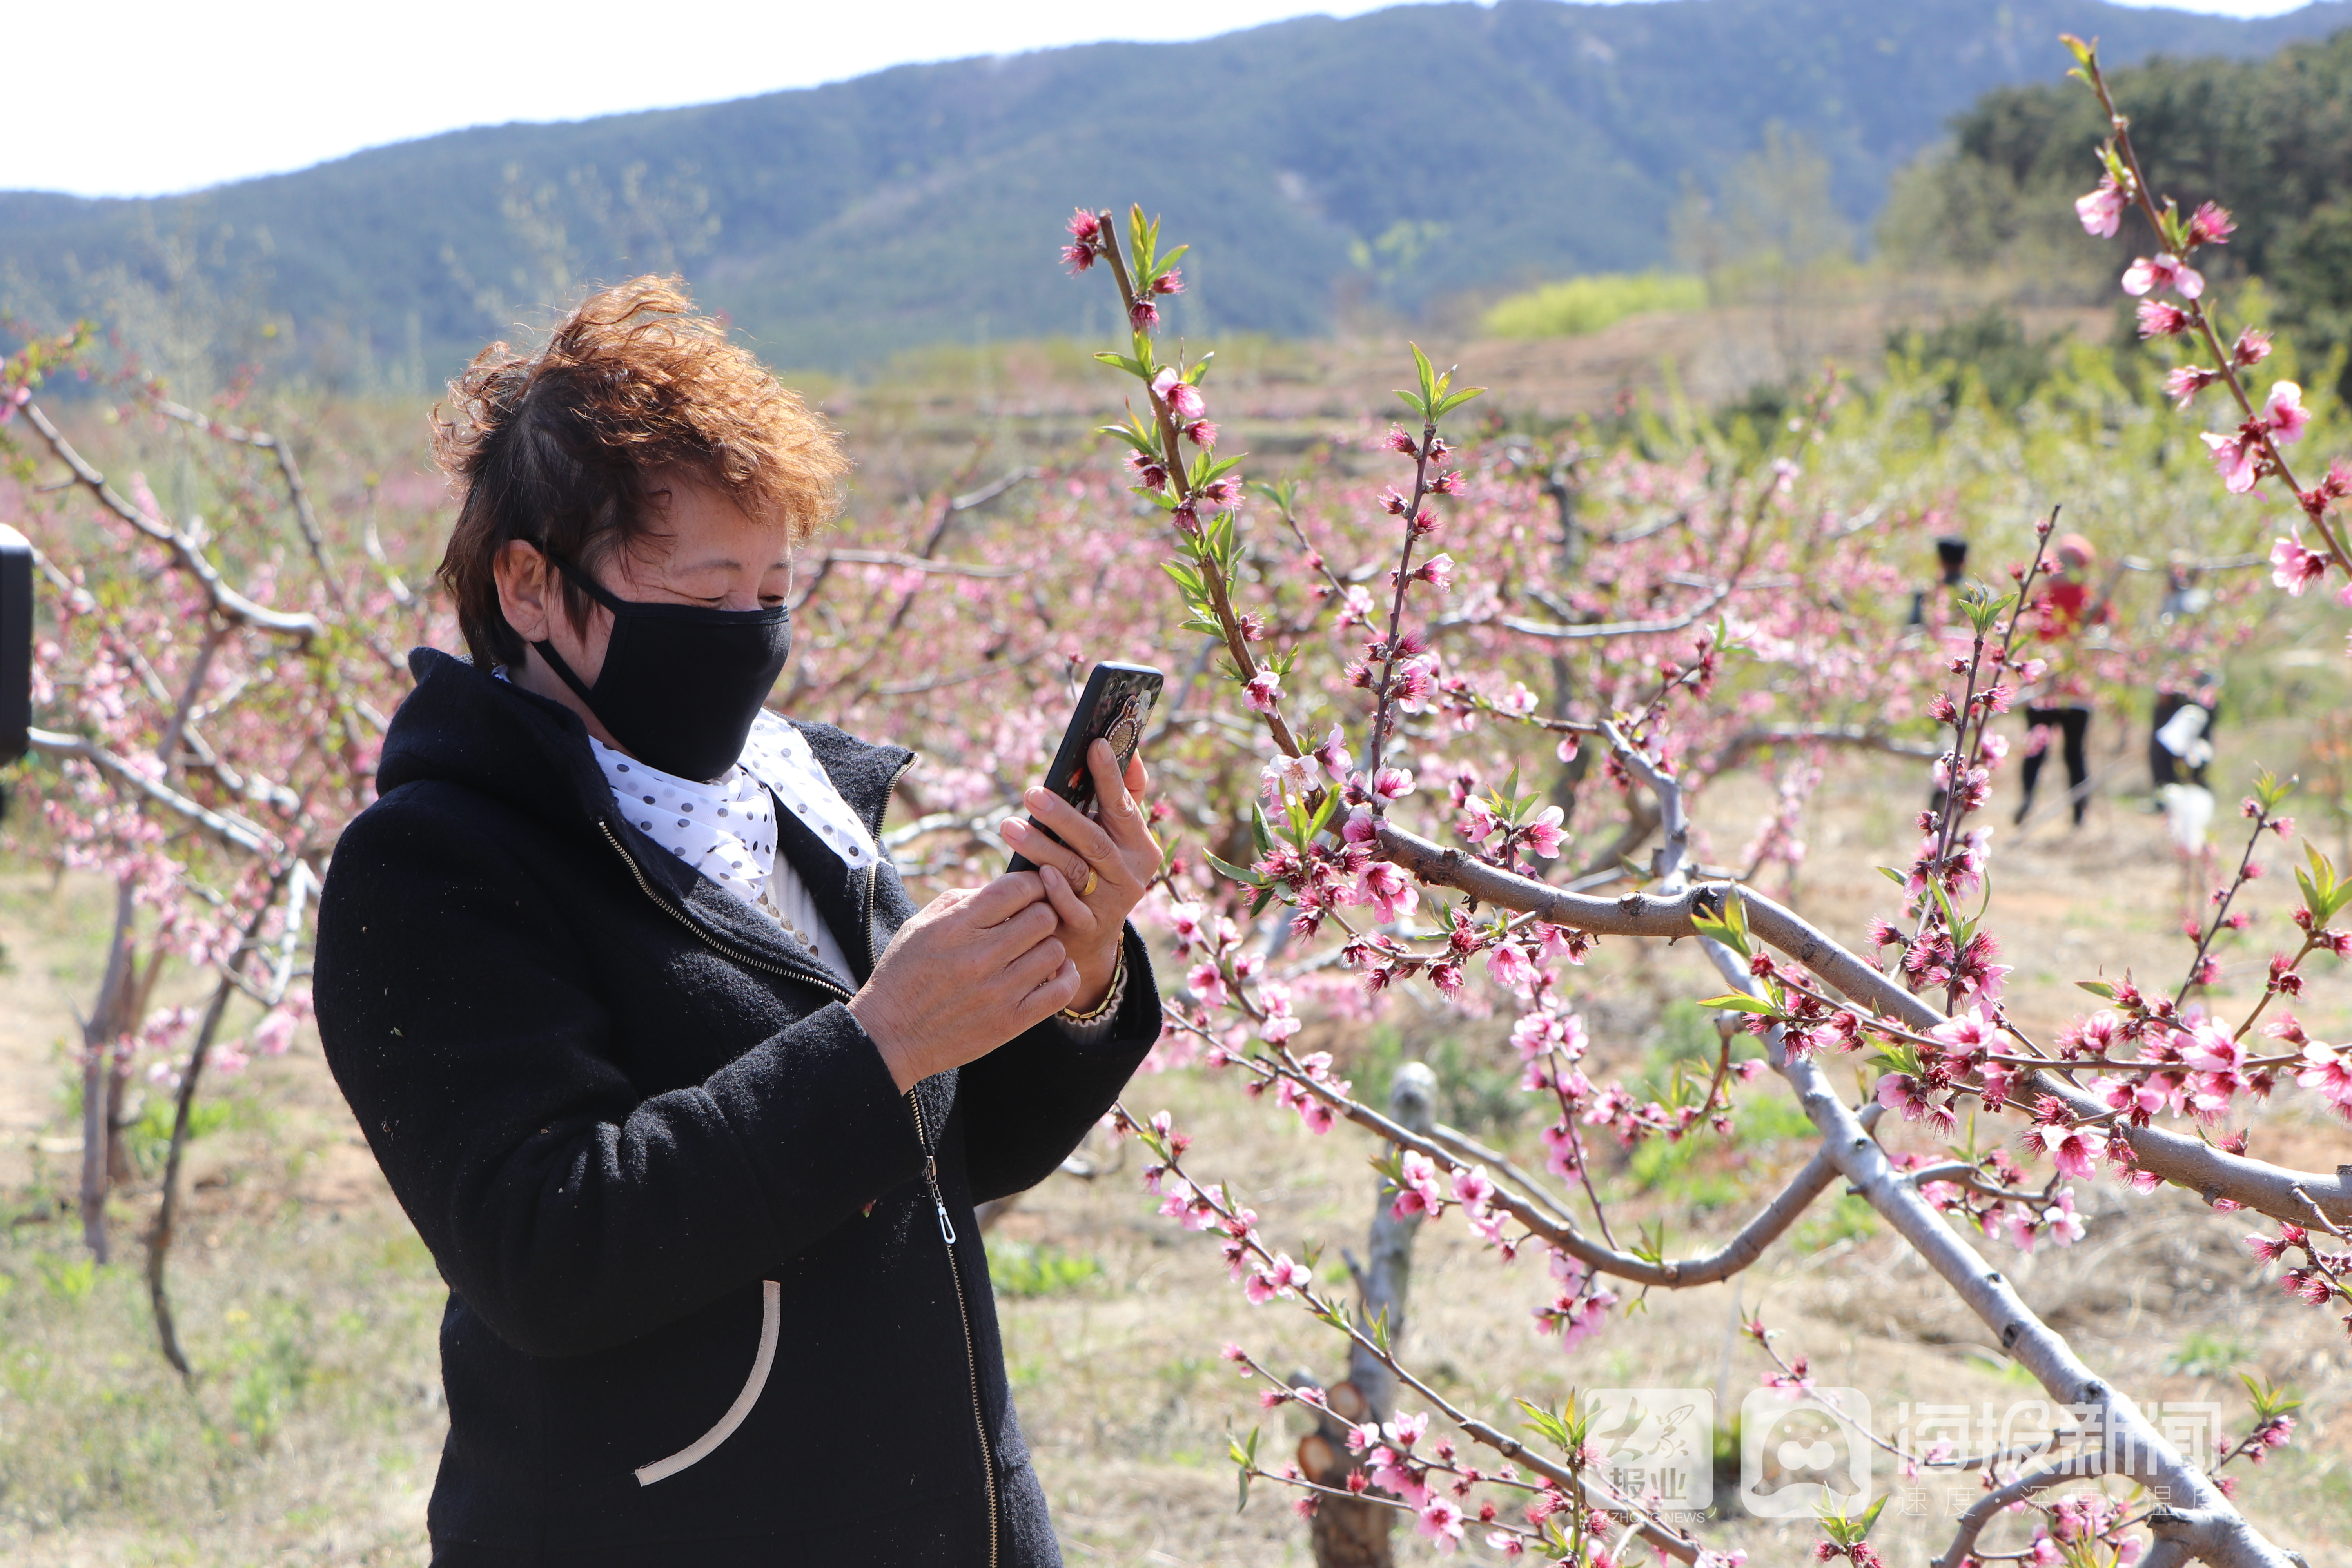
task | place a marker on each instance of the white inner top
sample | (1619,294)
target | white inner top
(723,830)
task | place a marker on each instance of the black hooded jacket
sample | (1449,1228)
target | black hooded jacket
(703,1308)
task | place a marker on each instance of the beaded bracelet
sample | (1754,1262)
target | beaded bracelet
(1109,1003)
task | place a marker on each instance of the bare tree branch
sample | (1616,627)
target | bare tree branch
(995,488)
(2184,1161)
(234,831)
(1734,750)
(1551,632)
(901,559)
(1980,1513)
(1544,1219)
(186,552)
(299,493)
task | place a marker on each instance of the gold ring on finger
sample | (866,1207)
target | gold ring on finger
(1093,879)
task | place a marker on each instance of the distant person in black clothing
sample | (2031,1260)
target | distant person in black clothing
(1952,561)
(1952,556)
(2181,736)
(2059,705)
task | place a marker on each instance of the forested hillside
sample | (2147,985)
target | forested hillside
(916,204)
(2271,138)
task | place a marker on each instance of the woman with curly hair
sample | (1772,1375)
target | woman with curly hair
(688,1102)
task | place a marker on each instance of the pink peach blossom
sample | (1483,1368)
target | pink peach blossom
(2102,210)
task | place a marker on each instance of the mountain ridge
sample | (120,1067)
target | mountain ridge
(1401,156)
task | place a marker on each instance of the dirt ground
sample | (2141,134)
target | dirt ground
(309,1307)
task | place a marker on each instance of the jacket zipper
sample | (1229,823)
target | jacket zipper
(938,1203)
(814,977)
(874,867)
(971,1358)
(922,1129)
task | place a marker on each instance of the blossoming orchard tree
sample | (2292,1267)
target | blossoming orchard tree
(1369,843)
(212,698)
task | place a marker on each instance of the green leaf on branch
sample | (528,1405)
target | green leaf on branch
(1323,816)
(1142,241)
(1133,431)
(1455,400)
(2271,791)
(1897,1056)
(1206,468)
(1847,1531)
(1729,928)
(1982,607)
(2270,1400)
(2322,892)
(1565,1428)
(1740,1002)
(1284,495)
(1160,267)
(1427,376)
(1241,874)
(1133,367)
(1961,929)
(2098,988)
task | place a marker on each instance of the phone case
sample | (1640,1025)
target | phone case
(1116,706)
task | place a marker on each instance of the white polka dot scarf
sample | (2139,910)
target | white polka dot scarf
(725,830)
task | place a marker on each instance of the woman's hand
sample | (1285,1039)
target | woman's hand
(973,968)
(1099,871)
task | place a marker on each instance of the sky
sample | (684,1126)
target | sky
(195,95)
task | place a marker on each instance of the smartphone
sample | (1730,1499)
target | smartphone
(1115,707)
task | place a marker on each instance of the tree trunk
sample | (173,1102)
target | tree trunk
(131,1010)
(1387,1271)
(1348,1534)
(103,1027)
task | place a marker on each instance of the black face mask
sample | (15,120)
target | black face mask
(680,684)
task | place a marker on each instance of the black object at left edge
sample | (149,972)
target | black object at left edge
(16,644)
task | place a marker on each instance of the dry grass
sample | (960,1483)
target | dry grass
(310,1307)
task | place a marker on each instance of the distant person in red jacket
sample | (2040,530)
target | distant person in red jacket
(2059,706)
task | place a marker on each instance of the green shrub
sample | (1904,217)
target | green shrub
(1850,1218)
(1990,350)
(2208,1355)
(1693,1170)
(1588,304)
(1022,1268)
(149,1135)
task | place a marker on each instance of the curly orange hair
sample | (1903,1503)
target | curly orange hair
(554,448)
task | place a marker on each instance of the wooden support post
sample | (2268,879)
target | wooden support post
(1348,1534)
